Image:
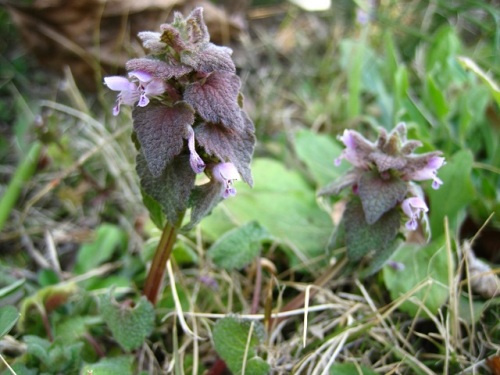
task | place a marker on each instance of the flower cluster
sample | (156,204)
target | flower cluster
(187,117)
(393,167)
(383,187)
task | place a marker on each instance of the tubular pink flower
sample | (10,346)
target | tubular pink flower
(413,208)
(226,173)
(429,172)
(195,160)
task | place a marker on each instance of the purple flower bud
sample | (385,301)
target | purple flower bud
(226,173)
(413,207)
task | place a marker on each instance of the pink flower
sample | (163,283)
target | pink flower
(429,172)
(356,151)
(129,91)
(195,160)
(142,86)
(226,173)
(413,208)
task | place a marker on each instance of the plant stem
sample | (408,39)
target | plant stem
(162,254)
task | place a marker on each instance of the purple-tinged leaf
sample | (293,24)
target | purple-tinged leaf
(216,99)
(203,200)
(335,187)
(209,58)
(173,38)
(385,161)
(172,188)
(229,145)
(362,238)
(161,131)
(197,29)
(379,194)
(158,69)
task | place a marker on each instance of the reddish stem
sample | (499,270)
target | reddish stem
(157,271)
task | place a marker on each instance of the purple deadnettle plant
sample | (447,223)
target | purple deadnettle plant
(187,120)
(383,191)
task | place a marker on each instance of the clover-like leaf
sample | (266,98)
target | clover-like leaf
(230,145)
(158,68)
(215,98)
(172,188)
(161,131)
(363,238)
(380,194)
(129,325)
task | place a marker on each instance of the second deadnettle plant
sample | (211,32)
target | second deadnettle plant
(188,119)
(384,192)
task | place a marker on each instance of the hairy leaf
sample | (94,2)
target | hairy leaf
(231,338)
(215,98)
(209,58)
(239,246)
(233,145)
(172,188)
(161,131)
(197,30)
(203,200)
(129,325)
(379,195)
(363,238)
(335,187)
(158,68)
(428,263)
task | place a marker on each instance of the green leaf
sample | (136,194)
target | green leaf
(239,246)
(318,152)
(350,369)
(110,366)
(280,200)
(12,288)
(380,195)
(129,325)
(231,337)
(454,195)
(155,210)
(425,268)
(363,238)
(8,318)
(108,239)
(436,98)
(171,189)
(257,366)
